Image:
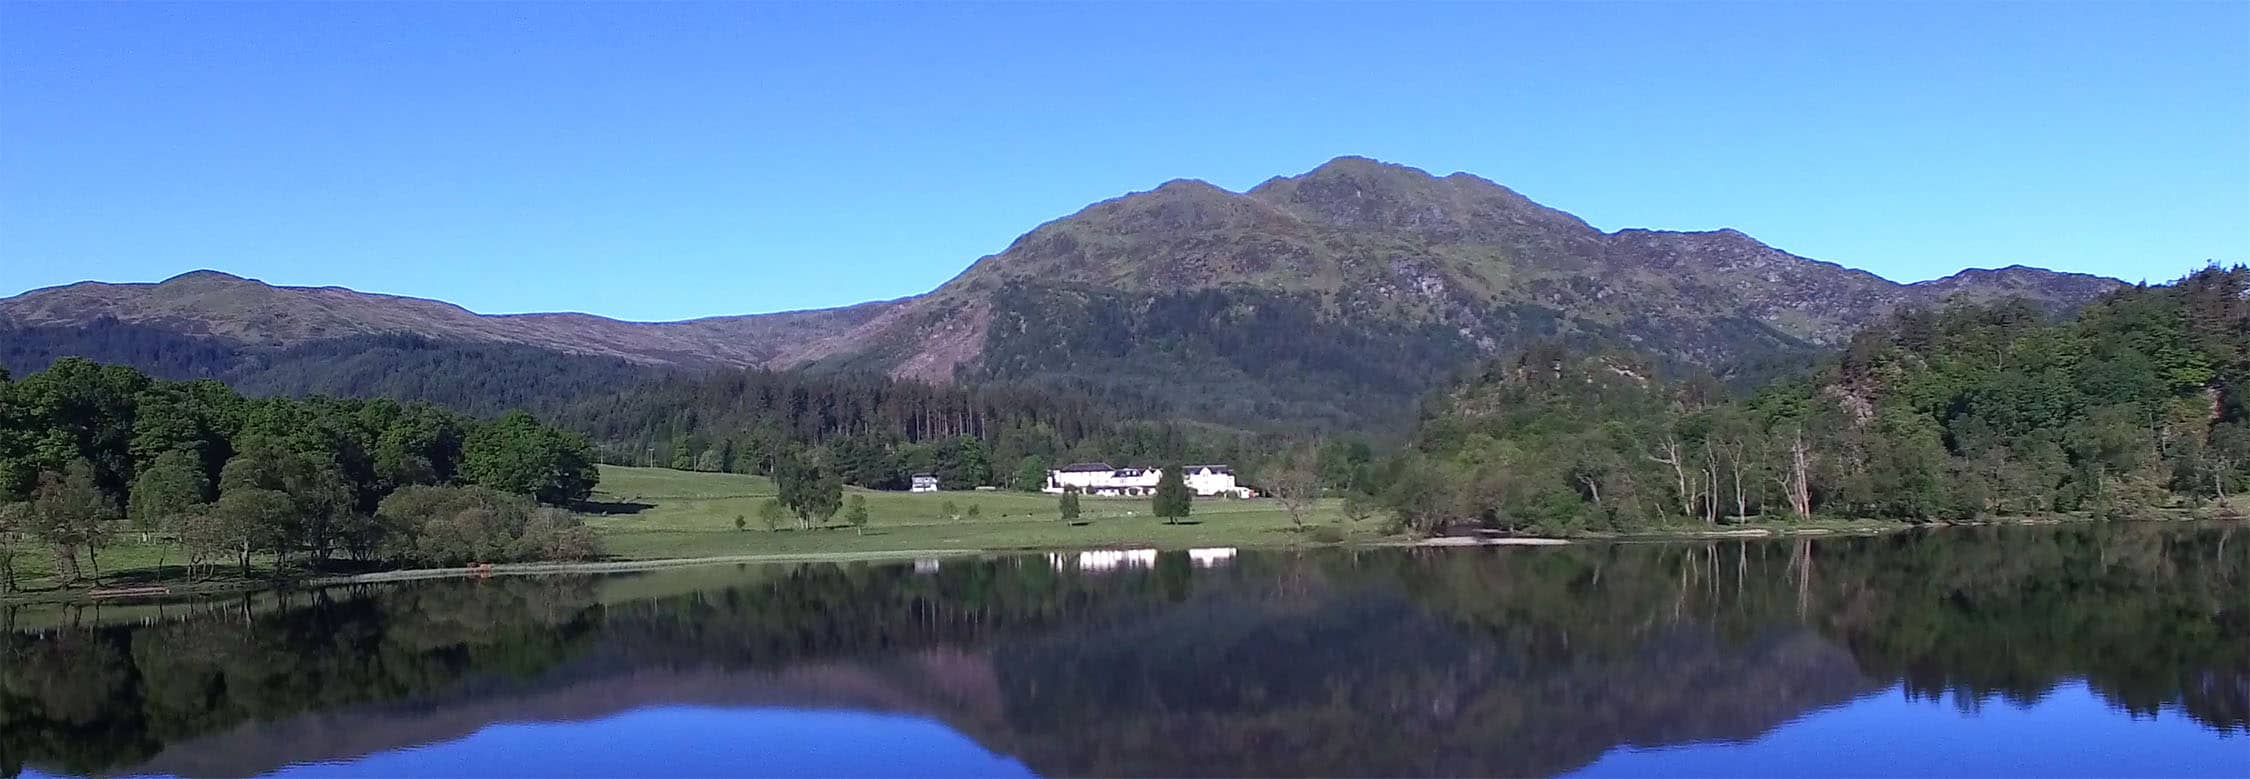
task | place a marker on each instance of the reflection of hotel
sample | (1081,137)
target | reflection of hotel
(1102,479)
(1094,560)
(1103,559)
(1110,559)
(1207,558)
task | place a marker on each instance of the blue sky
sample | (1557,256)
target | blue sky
(662,161)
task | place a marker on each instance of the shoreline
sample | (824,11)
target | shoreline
(192,592)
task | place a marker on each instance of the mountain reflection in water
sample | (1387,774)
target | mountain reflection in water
(1629,658)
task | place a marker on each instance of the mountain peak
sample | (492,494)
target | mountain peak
(2052,290)
(1352,164)
(1361,172)
(1360,193)
(1189,186)
(205,277)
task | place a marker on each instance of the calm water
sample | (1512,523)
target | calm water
(2096,651)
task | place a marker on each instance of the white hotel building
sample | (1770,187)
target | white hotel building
(1102,479)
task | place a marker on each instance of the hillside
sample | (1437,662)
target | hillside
(1327,299)
(2138,403)
(228,308)
(1345,292)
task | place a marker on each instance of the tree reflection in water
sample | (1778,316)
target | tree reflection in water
(1455,661)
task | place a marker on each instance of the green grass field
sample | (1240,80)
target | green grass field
(684,514)
(658,513)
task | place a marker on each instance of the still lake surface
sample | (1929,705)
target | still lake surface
(2091,650)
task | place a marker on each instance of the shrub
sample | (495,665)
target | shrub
(1358,506)
(456,525)
(1397,524)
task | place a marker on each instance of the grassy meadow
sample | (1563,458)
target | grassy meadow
(656,514)
(660,513)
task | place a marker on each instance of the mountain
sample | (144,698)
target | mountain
(1336,296)
(1330,298)
(229,308)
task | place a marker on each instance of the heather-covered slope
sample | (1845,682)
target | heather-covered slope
(1333,298)
(243,311)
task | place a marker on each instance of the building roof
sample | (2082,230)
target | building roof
(923,475)
(1087,467)
(1211,468)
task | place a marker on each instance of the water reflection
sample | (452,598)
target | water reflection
(778,742)
(1442,661)
(1212,556)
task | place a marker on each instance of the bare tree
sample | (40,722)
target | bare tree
(1669,452)
(1795,475)
(14,517)
(1734,450)
(1296,482)
(1710,484)
(1593,487)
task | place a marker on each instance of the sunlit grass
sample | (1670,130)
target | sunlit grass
(681,514)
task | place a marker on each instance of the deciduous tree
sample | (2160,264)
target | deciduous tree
(517,454)
(72,513)
(170,486)
(770,513)
(855,513)
(807,489)
(1295,481)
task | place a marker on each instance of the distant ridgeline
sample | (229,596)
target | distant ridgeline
(2139,401)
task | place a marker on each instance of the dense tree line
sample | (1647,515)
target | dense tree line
(2141,400)
(90,450)
(876,432)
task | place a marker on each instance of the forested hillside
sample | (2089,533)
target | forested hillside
(481,379)
(2140,401)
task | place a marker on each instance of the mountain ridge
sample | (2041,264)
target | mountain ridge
(1331,276)
(315,313)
